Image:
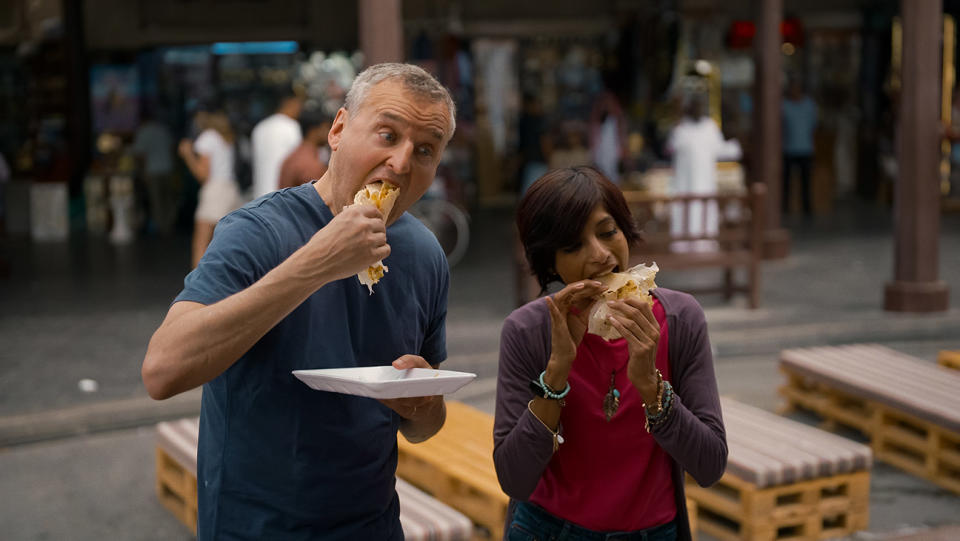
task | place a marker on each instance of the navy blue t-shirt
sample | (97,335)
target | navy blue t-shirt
(277,459)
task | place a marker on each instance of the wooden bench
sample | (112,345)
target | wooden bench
(784,480)
(949,359)
(456,467)
(908,408)
(737,243)
(422,517)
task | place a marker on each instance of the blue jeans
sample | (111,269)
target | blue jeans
(531,523)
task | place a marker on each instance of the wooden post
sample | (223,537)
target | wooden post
(767,150)
(381,31)
(915,287)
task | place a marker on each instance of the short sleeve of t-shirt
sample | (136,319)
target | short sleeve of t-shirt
(243,249)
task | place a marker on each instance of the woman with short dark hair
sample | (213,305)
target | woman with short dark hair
(593,437)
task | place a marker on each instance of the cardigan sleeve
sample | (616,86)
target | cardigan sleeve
(522,445)
(693,434)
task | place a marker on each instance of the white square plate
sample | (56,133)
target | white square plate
(385,381)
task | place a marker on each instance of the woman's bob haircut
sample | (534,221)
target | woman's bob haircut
(555,209)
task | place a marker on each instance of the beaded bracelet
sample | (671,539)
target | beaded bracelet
(654,421)
(550,393)
(659,394)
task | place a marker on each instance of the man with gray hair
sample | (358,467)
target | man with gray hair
(276,291)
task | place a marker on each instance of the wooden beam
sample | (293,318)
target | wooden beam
(767,149)
(381,31)
(915,287)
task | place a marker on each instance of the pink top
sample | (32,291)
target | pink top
(608,476)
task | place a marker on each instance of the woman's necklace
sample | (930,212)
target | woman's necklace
(611,401)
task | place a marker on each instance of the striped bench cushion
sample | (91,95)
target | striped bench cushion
(767,450)
(878,373)
(423,517)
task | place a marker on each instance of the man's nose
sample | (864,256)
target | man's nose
(400,157)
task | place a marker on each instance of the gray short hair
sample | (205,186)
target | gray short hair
(413,78)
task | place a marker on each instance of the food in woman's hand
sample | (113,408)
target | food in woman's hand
(636,282)
(381,195)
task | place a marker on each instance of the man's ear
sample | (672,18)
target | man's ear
(336,130)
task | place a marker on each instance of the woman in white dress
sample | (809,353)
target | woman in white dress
(210,159)
(696,143)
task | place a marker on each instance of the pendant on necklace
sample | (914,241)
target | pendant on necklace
(611,401)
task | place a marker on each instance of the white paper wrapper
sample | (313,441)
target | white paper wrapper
(382,196)
(636,282)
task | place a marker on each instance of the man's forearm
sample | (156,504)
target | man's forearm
(426,422)
(195,345)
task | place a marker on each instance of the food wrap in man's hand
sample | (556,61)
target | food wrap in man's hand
(381,195)
(636,282)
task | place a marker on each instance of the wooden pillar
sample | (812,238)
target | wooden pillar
(915,287)
(767,150)
(381,31)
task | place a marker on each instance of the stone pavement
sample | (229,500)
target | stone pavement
(79,465)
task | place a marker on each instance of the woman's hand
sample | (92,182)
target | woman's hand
(568,317)
(634,319)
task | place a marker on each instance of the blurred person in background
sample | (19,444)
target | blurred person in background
(273,139)
(4,179)
(594,437)
(799,114)
(309,160)
(277,291)
(952,135)
(608,135)
(696,144)
(210,160)
(533,141)
(153,145)
(571,148)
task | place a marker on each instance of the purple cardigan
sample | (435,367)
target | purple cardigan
(693,436)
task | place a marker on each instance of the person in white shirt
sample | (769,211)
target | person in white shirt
(210,159)
(696,144)
(273,139)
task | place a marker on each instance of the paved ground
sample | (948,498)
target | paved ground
(79,465)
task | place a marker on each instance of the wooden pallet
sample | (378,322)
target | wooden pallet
(456,467)
(912,444)
(177,489)
(949,359)
(735,510)
(784,480)
(835,407)
(422,517)
(918,447)
(898,437)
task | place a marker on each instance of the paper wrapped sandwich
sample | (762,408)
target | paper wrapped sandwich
(636,282)
(381,195)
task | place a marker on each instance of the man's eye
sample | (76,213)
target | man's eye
(425,151)
(388,136)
